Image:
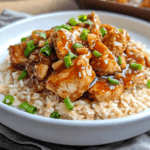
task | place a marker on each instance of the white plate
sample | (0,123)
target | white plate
(67,131)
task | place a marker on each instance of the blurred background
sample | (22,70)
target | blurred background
(44,6)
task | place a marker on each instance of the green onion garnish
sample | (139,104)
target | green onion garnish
(8,100)
(113,81)
(82,17)
(46,50)
(55,114)
(36,32)
(73,22)
(136,66)
(88,22)
(30,47)
(23,75)
(120,30)
(77,45)
(72,56)
(68,61)
(103,31)
(119,60)
(67,27)
(23,39)
(68,103)
(28,108)
(84,34)
(148,84)
(43,35)
(57,28)
(46,43)
(96,53)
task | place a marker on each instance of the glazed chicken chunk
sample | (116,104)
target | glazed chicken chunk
(104,91)
(106,63)
(16,53)
(74,81)
(62,40)
(116,41)
(94,18)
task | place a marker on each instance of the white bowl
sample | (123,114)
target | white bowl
(71,132)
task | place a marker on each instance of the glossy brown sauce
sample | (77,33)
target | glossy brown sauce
(74,70)
(76,32)
(101,63)
(65,43)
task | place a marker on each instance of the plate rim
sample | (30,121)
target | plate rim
(75,123)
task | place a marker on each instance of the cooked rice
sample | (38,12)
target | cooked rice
(132,100)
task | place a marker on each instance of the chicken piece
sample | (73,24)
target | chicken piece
(62,40)
(74,81)
(16,53)
(94,18)
(130,76)
(97,33)
(116,41)
(106,63)
(135,53)
(104,91)
(76,32)
(107,27)
(95,27)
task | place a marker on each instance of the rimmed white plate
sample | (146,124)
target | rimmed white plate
(71,132)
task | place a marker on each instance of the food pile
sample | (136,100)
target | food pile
(137,3)
(80,70)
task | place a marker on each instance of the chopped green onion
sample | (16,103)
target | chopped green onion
(23,75)
(96,53)
(57,28)
(28,108)
(119,60)
(23,39)
(136,66)
(103,31)
(120,30)
(36,32)
(8,100)
(88,22)
(46,43)
(68,103)
(68,61)
(72,56)
(55,114)
(84,34)
(113,81)
(30,47)
(77,45)
(43,35)
(73,22)
(46,50)
(82,17)
(148,84)
(67,27)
